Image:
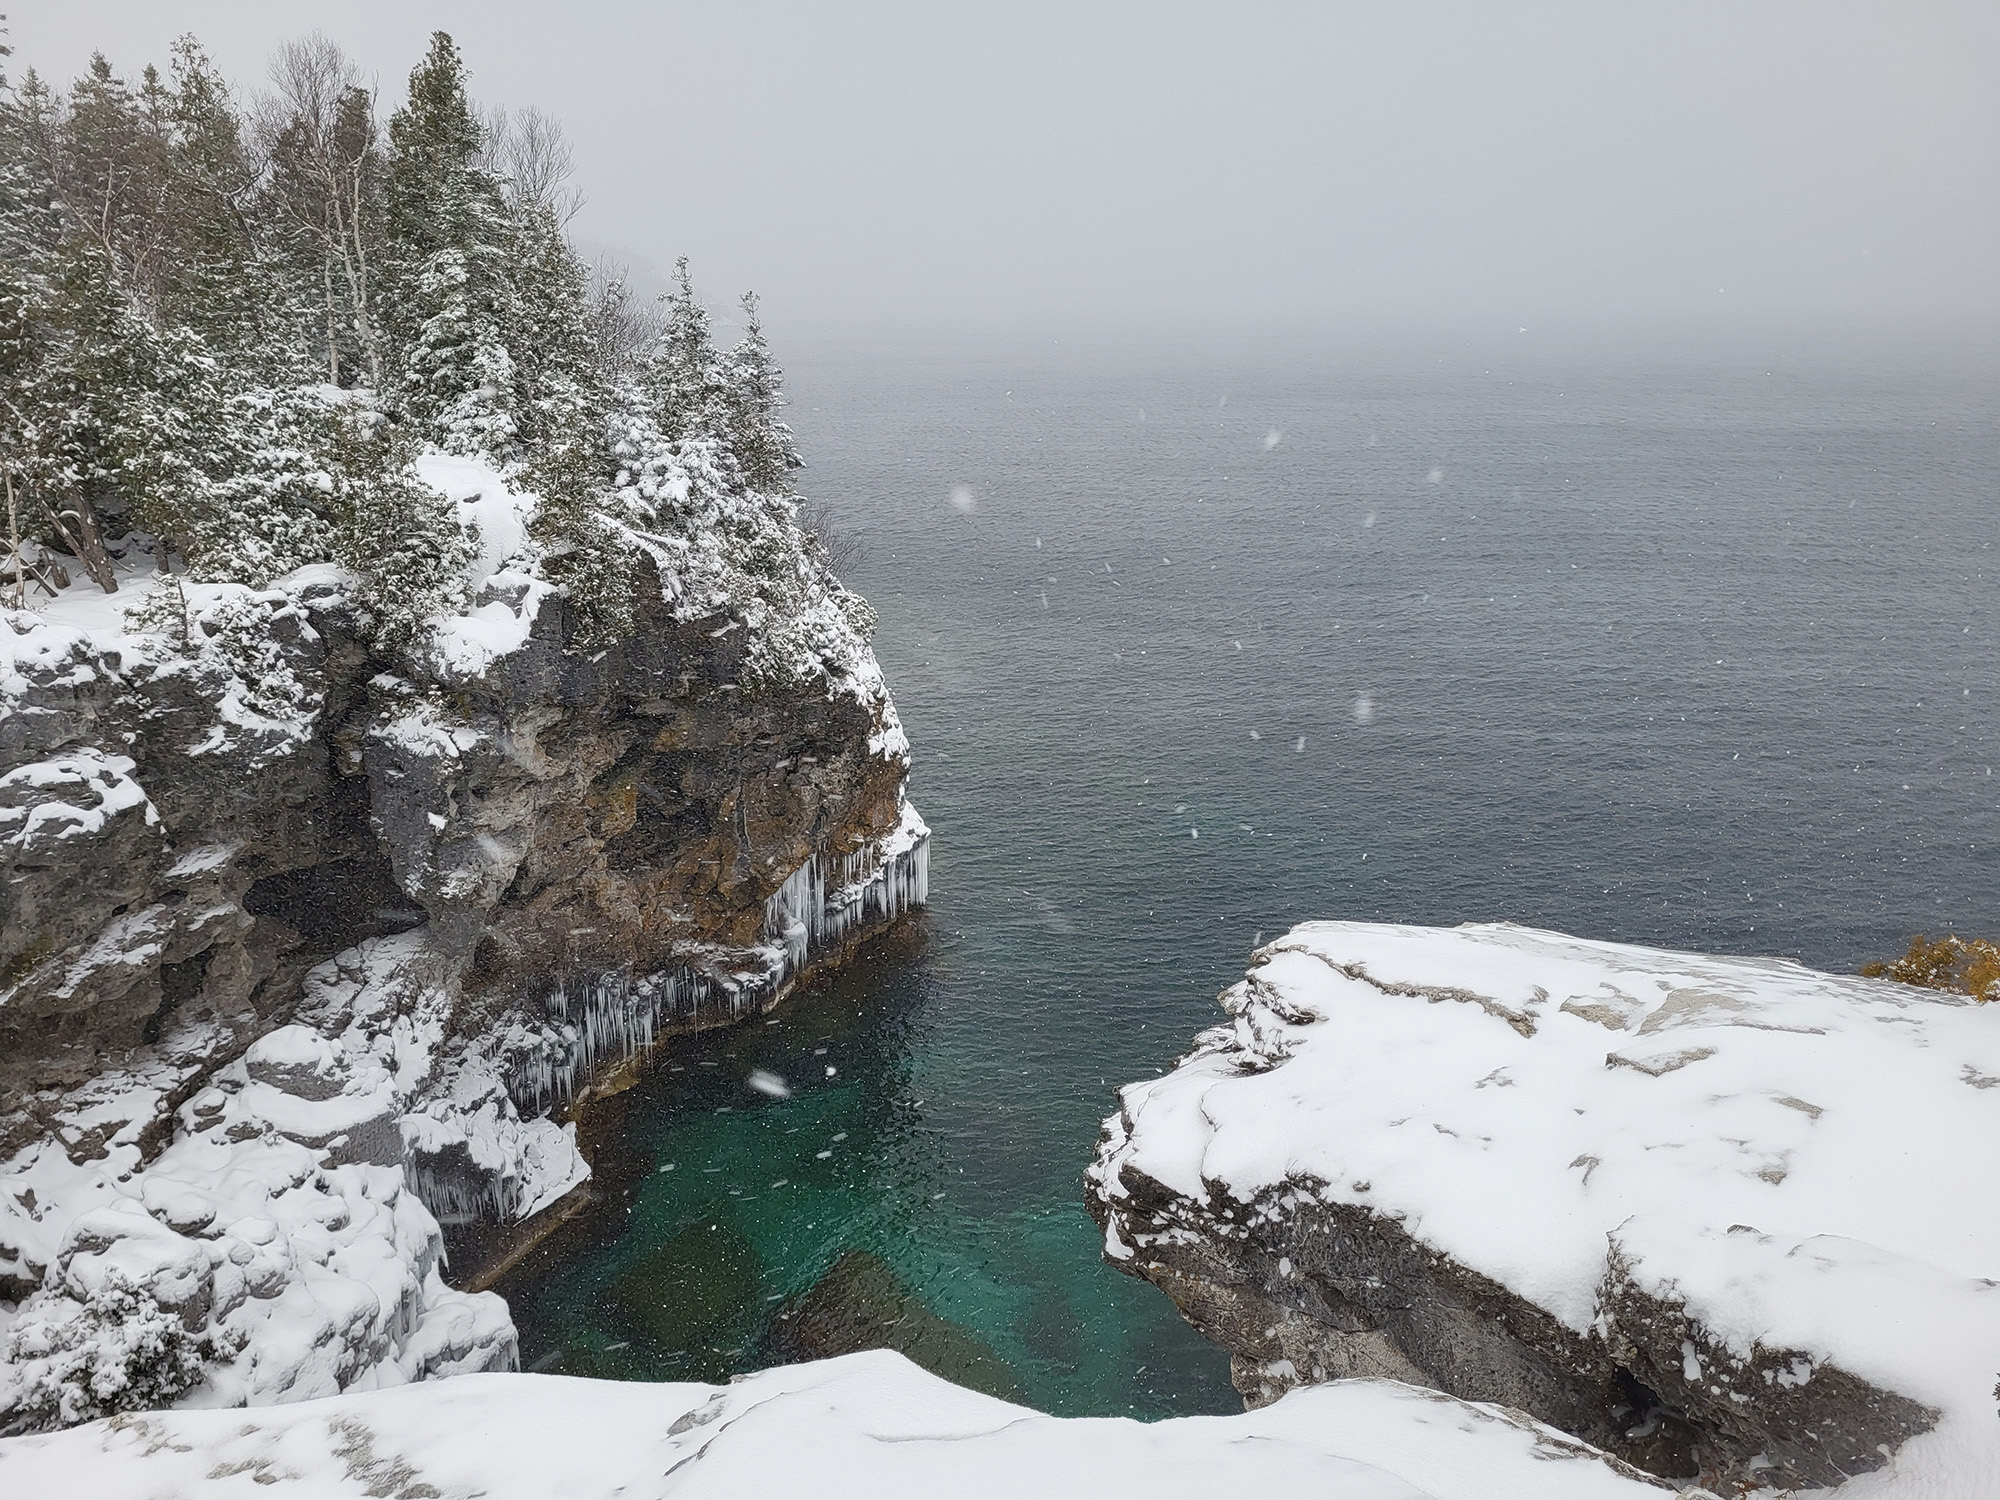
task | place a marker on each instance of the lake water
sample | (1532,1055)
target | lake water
(1691,645)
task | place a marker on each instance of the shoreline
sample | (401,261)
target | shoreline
(495,1251)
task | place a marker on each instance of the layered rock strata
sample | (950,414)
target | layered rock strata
(1713,1215)
(303,943)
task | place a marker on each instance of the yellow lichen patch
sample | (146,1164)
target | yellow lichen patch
(1971,966)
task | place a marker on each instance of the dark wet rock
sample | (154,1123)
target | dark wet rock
(562,817)
(383,918)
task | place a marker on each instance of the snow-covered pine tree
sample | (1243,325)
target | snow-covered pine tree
(583,550)
(267,486)
(752,399)
(208,278)
(682,380)
(176,291)
(450,295)
(111,398)
(85,411)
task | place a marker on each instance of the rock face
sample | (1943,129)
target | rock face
(368,919)
(865,1427)
(1713,1215)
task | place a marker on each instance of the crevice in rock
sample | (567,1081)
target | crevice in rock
(335,905)
(179,983)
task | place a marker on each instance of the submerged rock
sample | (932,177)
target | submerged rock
(693,1288)
(1713,1215)
(862,1304)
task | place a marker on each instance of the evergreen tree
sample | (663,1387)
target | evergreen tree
(178,288)
(209,278)
(266,493)
(562,387)
(583,550)
(753,397)
(458,374)
(81,404)
(682,376)
(450,291)
(400,537)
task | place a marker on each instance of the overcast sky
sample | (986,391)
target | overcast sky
(1014,163)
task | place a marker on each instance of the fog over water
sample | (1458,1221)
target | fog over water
(909,166)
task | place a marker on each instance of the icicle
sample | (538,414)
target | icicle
(595,1021)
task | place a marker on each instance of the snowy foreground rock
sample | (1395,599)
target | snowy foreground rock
(1726,1218)
(869,1425)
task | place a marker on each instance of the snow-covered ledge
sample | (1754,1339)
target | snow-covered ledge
(869,1426)
(1718,1215)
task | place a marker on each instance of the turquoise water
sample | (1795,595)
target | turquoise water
(1681,645)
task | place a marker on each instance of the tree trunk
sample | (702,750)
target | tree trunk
(332,317)
(79,532)
(357,275)
(14,537)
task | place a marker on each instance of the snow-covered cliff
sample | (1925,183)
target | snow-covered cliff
(1719,1216)
(306,938)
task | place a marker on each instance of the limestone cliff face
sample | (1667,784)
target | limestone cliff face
(477,879)
(171,875)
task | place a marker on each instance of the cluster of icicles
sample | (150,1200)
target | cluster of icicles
(459,1196)
(607,1018)
(810,913)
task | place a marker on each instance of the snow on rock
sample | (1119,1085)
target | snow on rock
(67,796)
(304,1278)
(506,596)
(867,1425)
(443,1113)
(277,1225)
(1706,1211)
(488,504)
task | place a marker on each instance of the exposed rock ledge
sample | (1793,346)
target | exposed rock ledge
(1722,1217)
(865,1427)
(303,946)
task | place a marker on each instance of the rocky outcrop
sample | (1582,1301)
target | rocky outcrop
(1707,1214)
(370,919)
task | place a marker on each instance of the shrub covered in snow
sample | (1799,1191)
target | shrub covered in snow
(117,1350)
(241,640)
